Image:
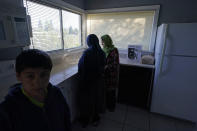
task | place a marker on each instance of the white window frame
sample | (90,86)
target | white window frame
(61,5)
(155,8)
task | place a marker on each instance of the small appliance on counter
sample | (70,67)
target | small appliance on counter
(134,52)
(147,59)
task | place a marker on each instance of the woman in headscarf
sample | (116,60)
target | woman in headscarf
(91,81)
(111,71)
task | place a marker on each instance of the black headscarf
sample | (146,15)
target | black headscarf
(92,62)
(93,42)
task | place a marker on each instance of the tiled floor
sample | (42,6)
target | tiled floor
(127,118)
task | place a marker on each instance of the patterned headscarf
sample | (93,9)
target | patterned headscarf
(108,44)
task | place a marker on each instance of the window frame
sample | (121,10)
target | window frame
(154,8)
(61,8)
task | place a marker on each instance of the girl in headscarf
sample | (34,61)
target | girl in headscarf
(91,72)
(111,71)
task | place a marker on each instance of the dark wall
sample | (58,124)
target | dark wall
(17,3)
(170,10)
(78,3)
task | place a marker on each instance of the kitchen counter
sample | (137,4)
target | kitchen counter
(129,62)
(135,83)
(61,76)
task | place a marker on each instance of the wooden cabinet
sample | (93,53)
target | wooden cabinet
(135,86)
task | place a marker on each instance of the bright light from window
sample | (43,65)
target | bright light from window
(45,26)
(71,29)
(126,28)
(45,22)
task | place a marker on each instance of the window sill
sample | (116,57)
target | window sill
(61,76)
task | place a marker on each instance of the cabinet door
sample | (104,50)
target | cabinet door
(21,29)
(135,86)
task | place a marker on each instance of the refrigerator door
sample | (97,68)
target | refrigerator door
(159,54)
(176,88)
(160,39)
(181,39)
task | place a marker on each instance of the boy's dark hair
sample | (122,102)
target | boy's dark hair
(32,58)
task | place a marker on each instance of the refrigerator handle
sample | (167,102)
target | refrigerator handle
(164,48)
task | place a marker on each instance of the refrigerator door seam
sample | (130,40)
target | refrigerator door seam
(164,49)
(180,55)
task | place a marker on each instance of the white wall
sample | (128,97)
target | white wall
(9,79)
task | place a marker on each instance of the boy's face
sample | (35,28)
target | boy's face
(34,79)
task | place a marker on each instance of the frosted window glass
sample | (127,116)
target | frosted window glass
(125,28)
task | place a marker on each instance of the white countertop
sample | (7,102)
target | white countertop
(57,78)
(129,62)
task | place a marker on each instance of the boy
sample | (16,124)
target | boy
(34,104)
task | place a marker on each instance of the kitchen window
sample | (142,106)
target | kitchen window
(71,29)
(126,26)
(53,28)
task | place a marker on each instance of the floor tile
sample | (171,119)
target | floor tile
(118,115)
(121,107)
(185,126)
(128,118)
(130,128)
(137,109)
(104,125)
(137,118)
(77,127)
(161,123)
(109,125)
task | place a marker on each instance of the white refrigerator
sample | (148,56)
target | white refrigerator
(175,84)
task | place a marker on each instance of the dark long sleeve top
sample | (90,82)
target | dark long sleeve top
(18,113)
